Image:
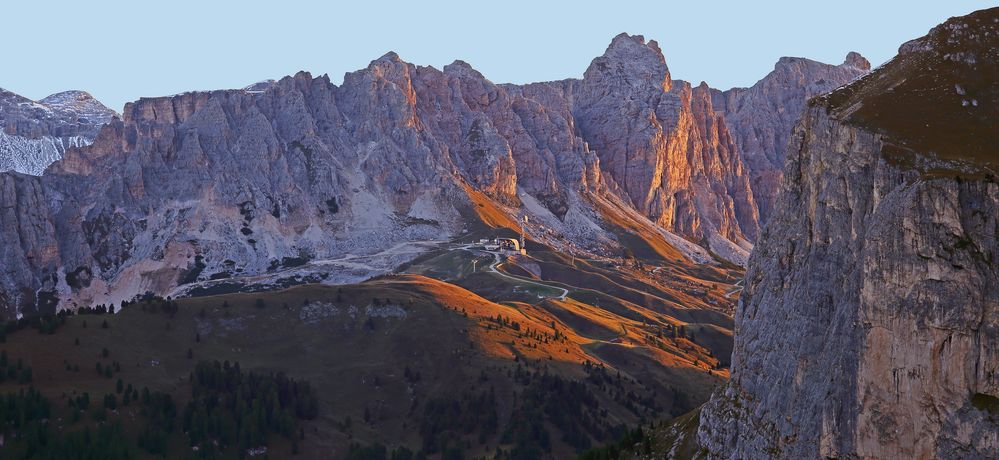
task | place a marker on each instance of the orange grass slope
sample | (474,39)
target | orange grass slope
(512,331)
(487,212)
(561,331)
(635,232)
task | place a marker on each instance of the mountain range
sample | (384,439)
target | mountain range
(230,183)
(624,265)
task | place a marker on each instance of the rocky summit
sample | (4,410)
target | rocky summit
(33,134)
(230,183)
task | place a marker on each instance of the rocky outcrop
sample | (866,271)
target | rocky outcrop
(869,326)
(761,117)
(34,134)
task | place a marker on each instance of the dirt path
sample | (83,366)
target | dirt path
(738,288)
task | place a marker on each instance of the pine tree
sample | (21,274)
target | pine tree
(25,376)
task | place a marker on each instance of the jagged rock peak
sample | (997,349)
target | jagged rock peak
(64,96)
(633,60)
(855,59)
(80,103)
(760,118)
(462,68)
(390,56)
(389,67)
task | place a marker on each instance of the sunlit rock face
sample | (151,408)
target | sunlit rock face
(662,143)
(869,326)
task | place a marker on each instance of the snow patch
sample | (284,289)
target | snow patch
(32,156)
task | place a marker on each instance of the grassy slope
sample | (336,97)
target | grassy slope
(343,357)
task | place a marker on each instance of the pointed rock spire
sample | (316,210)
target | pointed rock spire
(854,59)
(629,58)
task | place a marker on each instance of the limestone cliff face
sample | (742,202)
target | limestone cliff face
(869,327)
(663,144)
(29,240)
(761,117)
(233,182)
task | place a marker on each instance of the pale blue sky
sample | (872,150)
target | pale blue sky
(122,50)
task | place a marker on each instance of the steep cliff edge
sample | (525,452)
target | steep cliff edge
(869,326)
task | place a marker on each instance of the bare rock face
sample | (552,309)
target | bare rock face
(869,327)
(234,182)
(34,134)
(761,117)
(29,238)
(663,144)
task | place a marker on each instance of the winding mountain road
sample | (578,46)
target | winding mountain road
(496,261)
